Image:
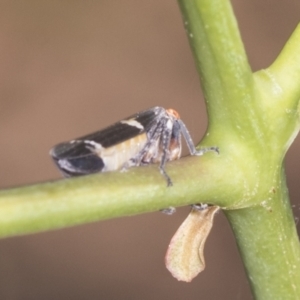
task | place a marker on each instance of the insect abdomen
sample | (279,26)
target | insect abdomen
(116,157)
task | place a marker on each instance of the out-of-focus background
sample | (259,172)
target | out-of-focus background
(71,67)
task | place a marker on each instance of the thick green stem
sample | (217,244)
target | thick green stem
(269,246)
(253,119)
(221,60)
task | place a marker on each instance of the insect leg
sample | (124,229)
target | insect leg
(190,142)
(168,211)
(200,206)
(153,137)
(165,143)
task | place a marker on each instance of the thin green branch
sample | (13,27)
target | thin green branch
(84,199)
(286,69)
(278,94)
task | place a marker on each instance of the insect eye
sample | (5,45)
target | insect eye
(173,113)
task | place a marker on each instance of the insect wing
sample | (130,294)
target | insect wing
(83,155)
(149,118)
(75,159)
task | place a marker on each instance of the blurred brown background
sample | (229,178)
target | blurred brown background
(71,67)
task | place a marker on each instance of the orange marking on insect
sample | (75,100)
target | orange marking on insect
(173,113)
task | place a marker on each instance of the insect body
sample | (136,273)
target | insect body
(150,136)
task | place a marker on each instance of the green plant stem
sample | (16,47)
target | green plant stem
(253,119)
(269,246)
(84,199)
(220,59)
(287,66)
